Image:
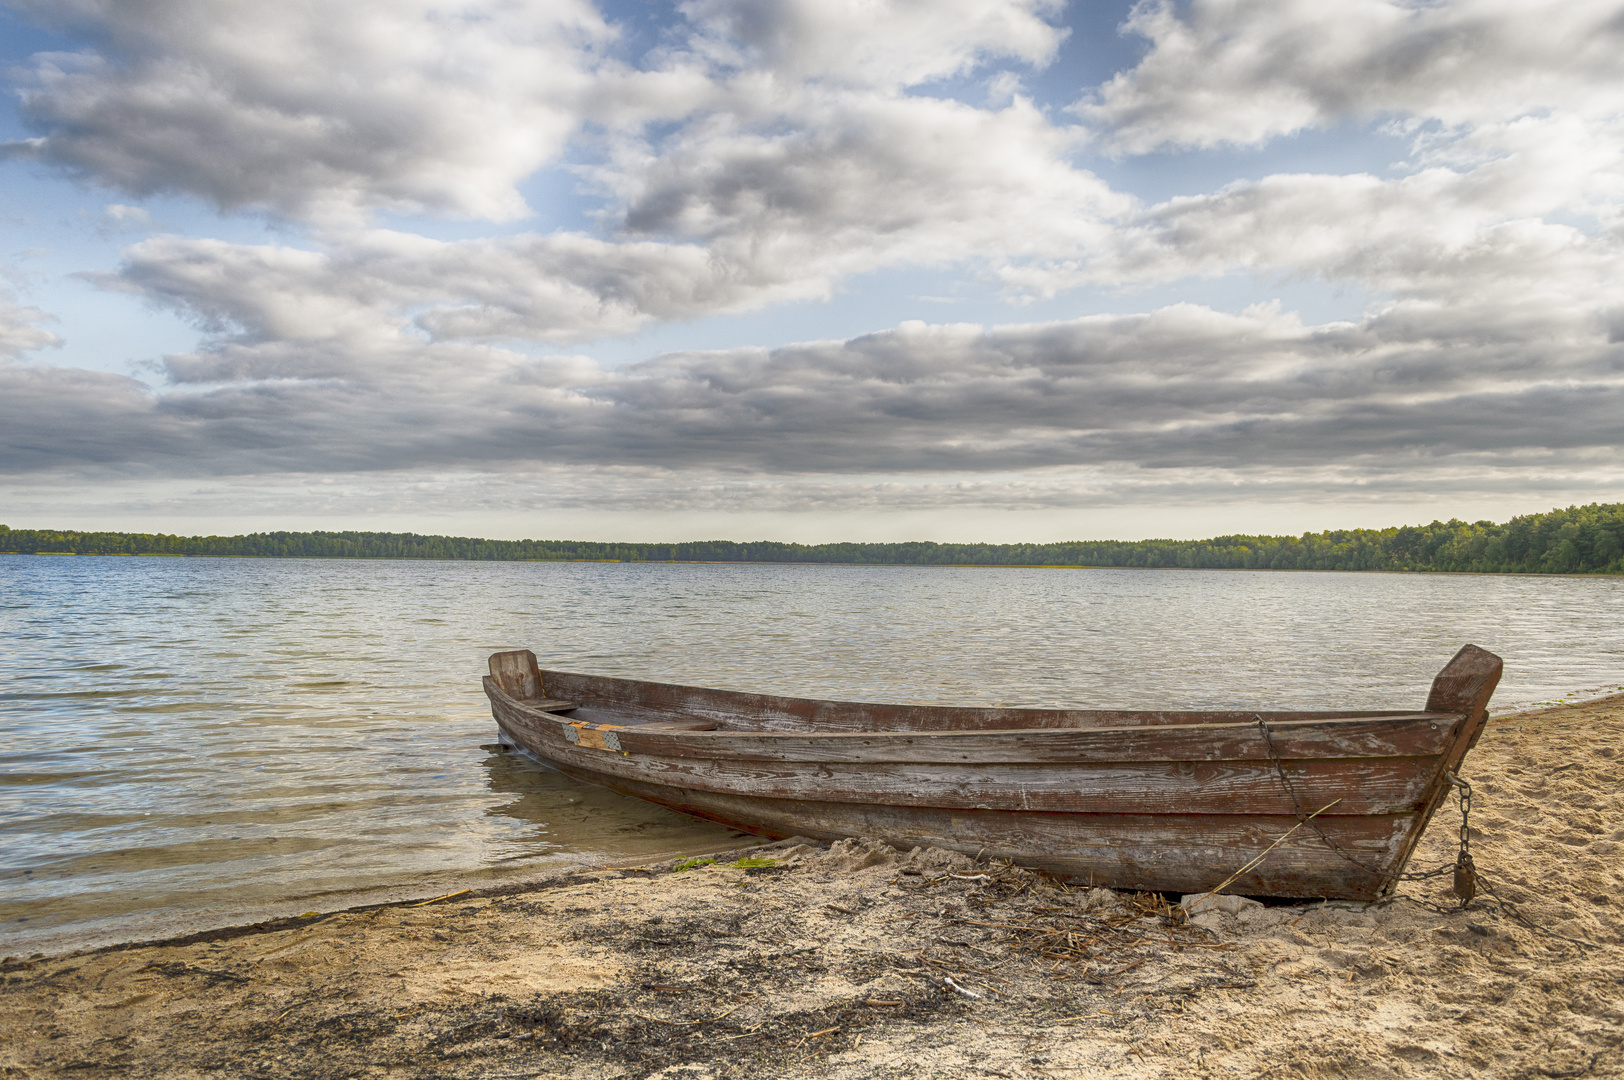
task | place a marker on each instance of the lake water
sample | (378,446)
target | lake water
(190,742)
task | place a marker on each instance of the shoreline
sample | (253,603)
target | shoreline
(167,925)
(554,878)
(856,960)
(831,562)
(1607,697)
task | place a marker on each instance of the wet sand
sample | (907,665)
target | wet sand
(860,961)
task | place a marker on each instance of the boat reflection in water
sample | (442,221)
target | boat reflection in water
(567,817)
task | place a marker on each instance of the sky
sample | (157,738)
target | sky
(811,270)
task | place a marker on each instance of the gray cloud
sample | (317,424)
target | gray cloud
(314,111)
(547,288)
(862,180)
(1246,72)
(865,183)
(54,417)
(758,155)
(1440,233)
(1178,389)
(414,106)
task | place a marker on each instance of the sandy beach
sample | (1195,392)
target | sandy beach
(857,960)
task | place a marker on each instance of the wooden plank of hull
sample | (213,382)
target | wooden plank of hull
(1404,735)
(1161,852)
(1365,785)
(1364,738)
(766,712)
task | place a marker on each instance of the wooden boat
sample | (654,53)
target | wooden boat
(1165,801)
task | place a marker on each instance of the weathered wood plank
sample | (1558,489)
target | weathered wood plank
(1366,786)
(1387,737)
(1418,735)
(767,712)
(516,673)
(1466,682)
(1181,853)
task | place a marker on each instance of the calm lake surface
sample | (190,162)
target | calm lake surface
(191,742)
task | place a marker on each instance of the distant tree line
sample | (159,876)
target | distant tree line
(1578,540)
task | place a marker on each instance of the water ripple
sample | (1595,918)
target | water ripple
(201,739)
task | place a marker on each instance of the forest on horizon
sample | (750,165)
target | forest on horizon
(1577,540)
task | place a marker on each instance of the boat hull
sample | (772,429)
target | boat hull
(1159,801)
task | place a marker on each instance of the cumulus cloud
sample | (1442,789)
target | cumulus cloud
(22,328)
(726,219)
(758,154)
(620,501)
(412,105)
(1243,72)
(554,288)
(1514,184)
(806,163)
(1438,234)
(767,154)
(866,180)
(312,109)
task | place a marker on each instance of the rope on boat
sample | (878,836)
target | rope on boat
(1463,868)
(1467,876)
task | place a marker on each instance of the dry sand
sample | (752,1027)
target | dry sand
(859,961)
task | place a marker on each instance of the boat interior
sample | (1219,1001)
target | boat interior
(670,707)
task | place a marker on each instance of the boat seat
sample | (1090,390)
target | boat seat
(553,705)
(678,725)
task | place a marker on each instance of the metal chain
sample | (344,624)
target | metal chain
(1465,874)
(1465,870)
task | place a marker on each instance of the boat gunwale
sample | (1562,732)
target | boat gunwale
(1329,717)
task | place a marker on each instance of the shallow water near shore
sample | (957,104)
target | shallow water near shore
(193,741)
